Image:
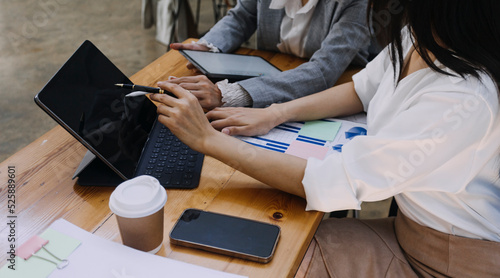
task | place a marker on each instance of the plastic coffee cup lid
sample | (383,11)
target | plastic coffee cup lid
(138,197)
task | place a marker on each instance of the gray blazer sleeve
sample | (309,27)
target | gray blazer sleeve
(229,33)
(348,35)
(344,42)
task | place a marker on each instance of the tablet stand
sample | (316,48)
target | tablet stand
(93,172)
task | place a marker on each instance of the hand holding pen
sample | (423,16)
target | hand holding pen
(143,90)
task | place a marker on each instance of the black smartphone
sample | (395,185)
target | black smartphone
(225,234)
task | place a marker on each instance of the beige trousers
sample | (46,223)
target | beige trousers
(397,247)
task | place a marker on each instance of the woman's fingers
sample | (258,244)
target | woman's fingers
(177,90)
(241,121)
(183,115)
(223,112)
(188,46)
(207,92)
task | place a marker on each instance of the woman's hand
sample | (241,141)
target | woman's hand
(245,121)
(184,116)
(208,93)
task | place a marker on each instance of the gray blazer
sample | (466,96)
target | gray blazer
(338,36)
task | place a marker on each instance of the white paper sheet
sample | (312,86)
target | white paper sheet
(97,257)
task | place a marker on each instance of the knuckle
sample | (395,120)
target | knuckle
(191,101)
(191,97)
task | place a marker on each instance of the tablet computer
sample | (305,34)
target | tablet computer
(122,132)
(234,67)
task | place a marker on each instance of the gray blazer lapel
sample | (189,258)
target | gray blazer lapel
(269,21)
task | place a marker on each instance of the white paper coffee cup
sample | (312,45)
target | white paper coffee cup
(138,205)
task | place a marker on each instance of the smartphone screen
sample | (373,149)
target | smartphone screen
(225,234)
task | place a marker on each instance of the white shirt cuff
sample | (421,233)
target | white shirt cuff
(327,186)
(211,46)
(233,95)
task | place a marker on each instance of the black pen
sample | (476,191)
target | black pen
(142,90)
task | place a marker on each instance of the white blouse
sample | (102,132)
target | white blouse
(295,25)
(433,141)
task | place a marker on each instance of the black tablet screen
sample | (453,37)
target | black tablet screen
(82,98)
(227,65)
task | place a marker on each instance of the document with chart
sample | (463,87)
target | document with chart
(311,139)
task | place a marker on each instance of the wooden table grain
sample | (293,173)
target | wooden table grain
(45,192)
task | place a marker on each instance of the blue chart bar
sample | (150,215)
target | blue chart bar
(267,147)
(355,131)
(272,141)
(277,146)
(338,148)
(290,126)
(311,140)
(285,128)
(270,144)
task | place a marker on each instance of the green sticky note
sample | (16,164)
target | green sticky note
(59,244)
(324,130)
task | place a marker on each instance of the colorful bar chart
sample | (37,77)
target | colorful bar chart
(315,139)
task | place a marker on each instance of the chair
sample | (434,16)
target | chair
(221,7)
(393,209)
(177,21)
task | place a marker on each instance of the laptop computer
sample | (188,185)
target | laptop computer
(122,132)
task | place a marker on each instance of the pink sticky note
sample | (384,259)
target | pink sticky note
(30,247)
(307,150)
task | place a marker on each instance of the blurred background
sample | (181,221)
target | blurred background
(38,36)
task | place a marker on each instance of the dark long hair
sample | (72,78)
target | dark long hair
(464,35)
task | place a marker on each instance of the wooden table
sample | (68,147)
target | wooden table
(45,192)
